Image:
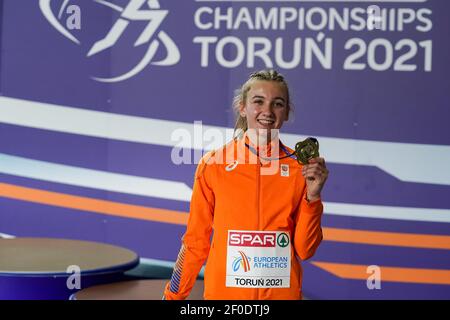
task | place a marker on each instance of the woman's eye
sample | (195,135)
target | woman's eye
(279,104)
(258,101)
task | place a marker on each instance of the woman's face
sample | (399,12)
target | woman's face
(266,106)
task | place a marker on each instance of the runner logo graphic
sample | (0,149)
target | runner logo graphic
(243,261)
(131,12)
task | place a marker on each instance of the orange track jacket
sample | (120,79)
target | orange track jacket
(254,215)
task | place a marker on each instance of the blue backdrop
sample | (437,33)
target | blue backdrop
(95,95)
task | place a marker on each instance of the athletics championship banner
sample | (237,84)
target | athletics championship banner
(106,106)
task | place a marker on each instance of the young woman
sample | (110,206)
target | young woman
(252,224)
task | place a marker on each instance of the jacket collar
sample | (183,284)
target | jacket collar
(249,151)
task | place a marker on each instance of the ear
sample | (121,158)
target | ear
(242,110)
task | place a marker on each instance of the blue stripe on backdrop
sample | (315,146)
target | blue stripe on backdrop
(374,224)
(361,254)
(347,183)
(94,153)
(331,287)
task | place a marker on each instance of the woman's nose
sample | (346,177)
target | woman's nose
(267,108)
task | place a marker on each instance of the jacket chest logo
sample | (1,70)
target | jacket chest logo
(231,166)
(284,172)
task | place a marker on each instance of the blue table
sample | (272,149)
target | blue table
(45,268)
(134,290)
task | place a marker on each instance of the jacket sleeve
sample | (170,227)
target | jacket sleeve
(196,240)
(308,230)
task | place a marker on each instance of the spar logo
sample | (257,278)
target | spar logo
(252,239)
(241,261)
(135,11)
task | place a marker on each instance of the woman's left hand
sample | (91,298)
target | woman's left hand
(315,173)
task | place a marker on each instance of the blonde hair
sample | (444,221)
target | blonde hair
(240,96)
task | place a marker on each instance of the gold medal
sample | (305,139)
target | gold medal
(306,150)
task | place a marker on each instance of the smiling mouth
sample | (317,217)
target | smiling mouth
(266,122)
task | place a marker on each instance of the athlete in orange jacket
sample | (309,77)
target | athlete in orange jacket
(254,200)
